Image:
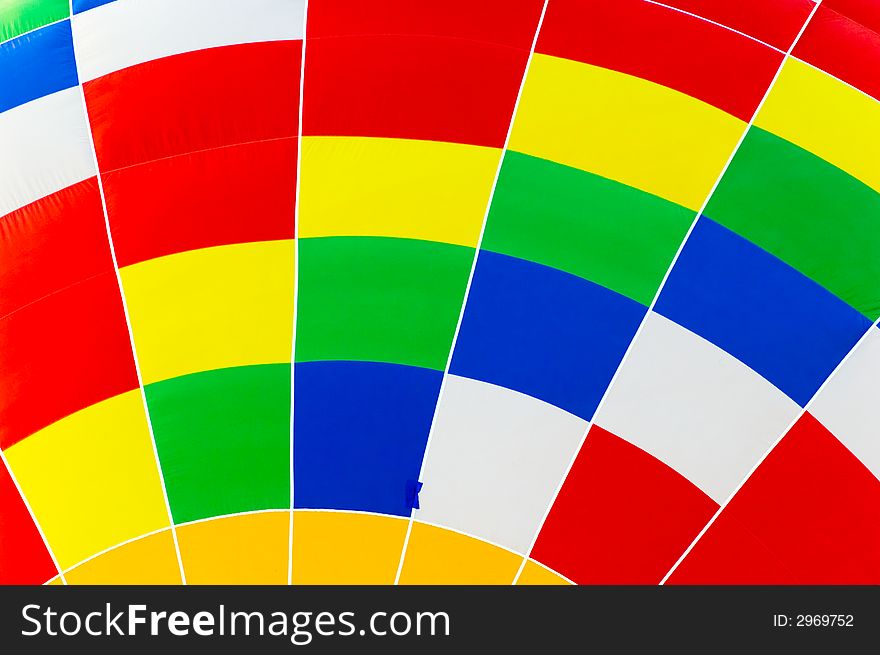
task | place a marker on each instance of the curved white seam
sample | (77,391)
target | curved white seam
(117,546)
(166,528)
(494,544)
(471,277)
(835,78)
(296,218)
(522,395)
(790,56)
(285,511)
(127,316)
(249,512)
(411,520)
(439,526)
(33,516)
(34,29)
(717,24)
(554,572)
(650,309)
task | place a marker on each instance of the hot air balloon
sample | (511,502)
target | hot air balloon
(394,292)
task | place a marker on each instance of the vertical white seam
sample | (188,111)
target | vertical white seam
(471,279)
(296,203)
(127,317)
(33,516)
(662,285)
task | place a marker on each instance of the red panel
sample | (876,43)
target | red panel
(738,557)
(844,48)
(61,354)
(776,22)
(506,22)
(811,504)
(23,556)
(412,88)
(198,100)
(209,198)
(668,47)
(51,244)
(866,12)
(622,517)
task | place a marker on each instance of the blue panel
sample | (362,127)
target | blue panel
(84,5)
(543,332)
(360,430)
(760,310)
(36,64)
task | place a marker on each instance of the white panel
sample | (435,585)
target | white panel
(694,407)
(849,405)
(45,148)
(496,458)
(129,32)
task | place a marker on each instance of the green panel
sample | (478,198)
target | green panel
(379,299)
(223,438)
(584,224)
(20,16)
(809,213)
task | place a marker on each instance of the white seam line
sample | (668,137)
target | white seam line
(779,50)
(296,204)
(33,516)
(835,78)
(134,355)
(553,571)
(247,512)
(648,313)
(772,447)
(716,24)
(469,535)
(209,519)
(471,279)
(34,29)
(121,544)
(167,528)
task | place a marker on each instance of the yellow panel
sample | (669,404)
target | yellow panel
(346,548)
(353,186)
(92,479)
(246,549)
(150,560)
(56,581)
(212,308)
(624,128)
(535,574)
(826,117)
(439,556)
